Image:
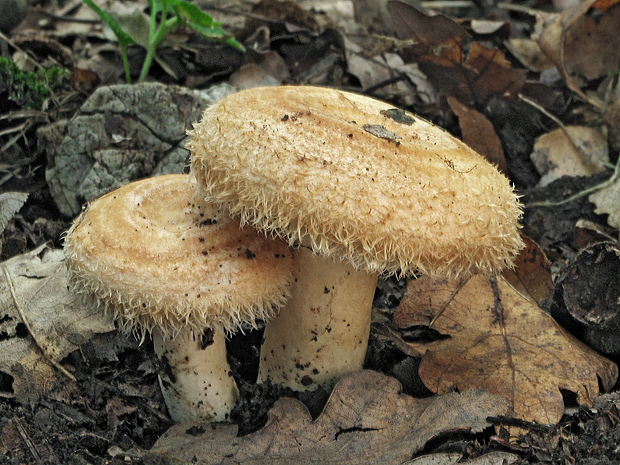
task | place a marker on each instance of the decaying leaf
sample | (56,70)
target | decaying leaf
(479,134)
(366,421)
(440,52)
(606,201)
(502,343)
(34,285)
(581,43)
(492,458)
(570,151)
(528,52)
(10,203)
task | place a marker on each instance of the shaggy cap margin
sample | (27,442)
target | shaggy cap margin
(355,178)
(149,256)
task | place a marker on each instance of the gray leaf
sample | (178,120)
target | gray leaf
(10,203)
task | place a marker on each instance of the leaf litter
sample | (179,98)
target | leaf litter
(366,420)
(498,107)
(501,342)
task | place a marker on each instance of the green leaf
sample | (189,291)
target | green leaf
(202,23)
(124,39)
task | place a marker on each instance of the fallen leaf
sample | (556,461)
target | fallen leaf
(531,275)
(478,132)
(529,53)
(492,458)
(570,151)
(10,203)
(604,4)
(588,232)
(367,420)
(35,283)
(502,343)
(440,52)
(606,201)
(592,43)
(581,44)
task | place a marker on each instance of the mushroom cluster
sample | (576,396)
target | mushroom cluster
(161,263)
(358,188)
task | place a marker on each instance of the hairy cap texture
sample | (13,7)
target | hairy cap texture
(153,257)
(357,179)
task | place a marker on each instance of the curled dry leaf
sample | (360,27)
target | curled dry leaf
(500,342)
(479,134)
(366,421)
(34,284)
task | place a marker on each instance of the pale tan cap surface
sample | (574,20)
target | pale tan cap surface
(153,258)
(331,170)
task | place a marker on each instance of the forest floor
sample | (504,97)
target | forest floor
(533,86)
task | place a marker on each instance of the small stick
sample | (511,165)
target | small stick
(24,434)
(41,347)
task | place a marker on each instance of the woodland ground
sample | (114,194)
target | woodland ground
(114,409)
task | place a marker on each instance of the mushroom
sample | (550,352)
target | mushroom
(360,188)
(160,263)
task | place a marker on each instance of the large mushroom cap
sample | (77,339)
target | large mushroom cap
(356,178)
(153,258)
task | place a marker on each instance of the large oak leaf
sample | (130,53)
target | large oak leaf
(500,342)
(367,420)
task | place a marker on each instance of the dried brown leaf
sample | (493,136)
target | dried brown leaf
(366,421)
(440,53)
(478,132)
(502,343)
(582,46)
(591,45)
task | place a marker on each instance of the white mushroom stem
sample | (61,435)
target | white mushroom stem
(196,379)
(321,334)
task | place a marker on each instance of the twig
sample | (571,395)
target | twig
(41,347)
(584,157)
(24,434)
(614,177)
(16,47)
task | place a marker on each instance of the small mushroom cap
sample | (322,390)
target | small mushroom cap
(356,178)
(152,257)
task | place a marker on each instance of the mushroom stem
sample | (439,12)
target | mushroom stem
(195,379)
(322,332)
